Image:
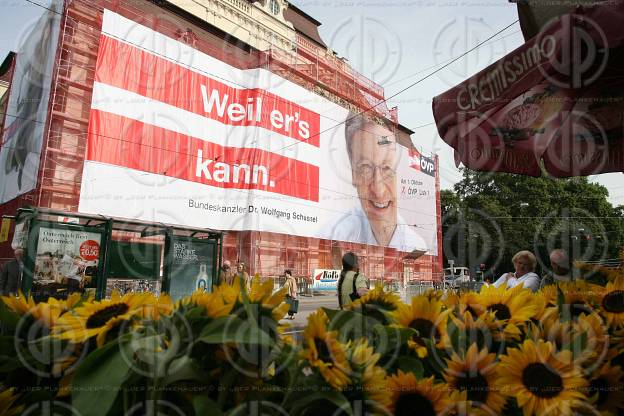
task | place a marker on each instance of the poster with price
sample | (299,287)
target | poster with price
(192,268)
(67,260)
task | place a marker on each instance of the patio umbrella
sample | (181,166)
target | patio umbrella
(556,103)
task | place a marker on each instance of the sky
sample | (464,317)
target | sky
(396,43)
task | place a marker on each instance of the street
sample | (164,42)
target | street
(307,305)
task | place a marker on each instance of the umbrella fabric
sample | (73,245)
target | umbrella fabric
(555,103)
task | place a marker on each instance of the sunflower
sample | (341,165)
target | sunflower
(262,294)
(7,398)
(154,308)
(616,356)
(540,380)
(368,381)
(409,395)
(586,337)
(466,302)
(513,308)
(515,305)
(433,294)
(46,313)
(578,297)
(481,331)
(323,351)
(606,390)
(214,304)
(97,318)
(377,303)
(19,304)
(459,405)
(475,374)
(611,302)
(426,317)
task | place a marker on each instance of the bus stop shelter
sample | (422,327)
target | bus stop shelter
(68,252)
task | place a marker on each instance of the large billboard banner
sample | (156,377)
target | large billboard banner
(27,109)
(178,136)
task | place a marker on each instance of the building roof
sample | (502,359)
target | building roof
(6,65)
(304,24)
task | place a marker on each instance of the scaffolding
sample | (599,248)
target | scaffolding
(313,67)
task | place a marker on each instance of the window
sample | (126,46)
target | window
(274,7)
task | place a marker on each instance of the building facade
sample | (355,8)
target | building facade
(270,34)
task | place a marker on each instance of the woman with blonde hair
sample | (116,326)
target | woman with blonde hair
(524,263)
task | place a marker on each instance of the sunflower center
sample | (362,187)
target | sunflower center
(476,385)
(99,318)
(600,386)
(501,311)
(323,351)
(410,402)
(542,381)
(614,301)
(376,313)
(472,312)
(576,308)
(618,360)
(425,328)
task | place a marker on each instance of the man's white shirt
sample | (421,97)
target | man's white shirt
(355,227)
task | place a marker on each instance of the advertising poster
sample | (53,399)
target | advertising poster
(325,280)
(66,260)
(200,143)
(193,264)
(27,109)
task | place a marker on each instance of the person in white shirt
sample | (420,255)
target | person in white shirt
(372,151)
(524,263)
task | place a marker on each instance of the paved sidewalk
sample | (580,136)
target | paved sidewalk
(307,305)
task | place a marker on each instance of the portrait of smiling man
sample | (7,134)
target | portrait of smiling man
(372,151)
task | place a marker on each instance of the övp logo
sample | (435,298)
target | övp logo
(421,163)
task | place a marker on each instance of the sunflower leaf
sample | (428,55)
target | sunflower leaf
(233,329)
(184,368)
(350,324)
(389,340)
(411,365)
(98,379)
(454,334)
(206,406)
(334,397)
(8,318)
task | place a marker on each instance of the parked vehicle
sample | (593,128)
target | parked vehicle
(456,276)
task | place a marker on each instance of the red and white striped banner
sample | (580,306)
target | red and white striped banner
(177,136)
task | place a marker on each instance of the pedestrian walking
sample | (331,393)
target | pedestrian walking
(351,285)
(291,294)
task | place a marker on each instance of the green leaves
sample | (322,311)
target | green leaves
(336,399)
(205,406)
(100,377)
(231,328)
(8,318)
(411,365)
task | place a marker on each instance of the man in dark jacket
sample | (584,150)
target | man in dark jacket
(11,274)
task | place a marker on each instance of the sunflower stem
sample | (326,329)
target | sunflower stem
(125,400)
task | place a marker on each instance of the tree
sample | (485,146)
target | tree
(489,217)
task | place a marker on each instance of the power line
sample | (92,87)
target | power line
(348,119)
(442,63)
